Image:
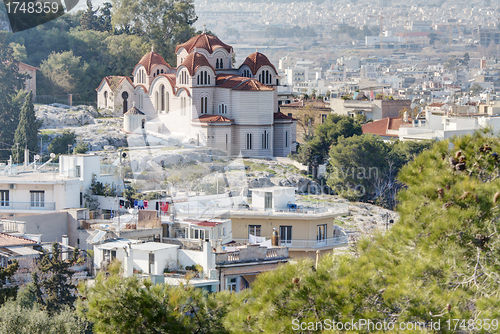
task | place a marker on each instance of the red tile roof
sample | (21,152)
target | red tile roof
(280,115)
(436,104)
(194,61)
(10,240)
(381,127)
(115,81)
(214,119)
(150,59)
(204,41)
(236,82)
(256,60)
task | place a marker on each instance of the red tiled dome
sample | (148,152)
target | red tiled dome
(194,61)
(150,59)
(256,60)
(204,41)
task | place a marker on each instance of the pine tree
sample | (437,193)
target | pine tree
(5,273)
(54,288)
(89,20)
(26,134)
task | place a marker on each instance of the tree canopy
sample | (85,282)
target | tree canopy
(364,168)
(315,151)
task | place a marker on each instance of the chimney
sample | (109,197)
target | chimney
(128,263)
(488,98)
(26,157)
(275,237)
(405,116)
(65,242)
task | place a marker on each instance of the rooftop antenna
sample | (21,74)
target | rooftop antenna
(152,48)
(204,28)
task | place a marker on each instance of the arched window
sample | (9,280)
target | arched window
(265,140)
(143,76)
(157,72)
(162,71)
(260,77)
(204,105)
(249,141)
(222,108)
(220,64)
(217,63)
(105,99)
(157,105)
(209,79)
(206,76)
(162,93)
(286,138)
(125,101)
(167,102)
(198,79)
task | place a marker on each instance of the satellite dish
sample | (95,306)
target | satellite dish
(124,155)
(52,155)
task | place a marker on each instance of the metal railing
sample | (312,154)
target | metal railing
(10,205)
(250,254)
(300,243)
(301,211)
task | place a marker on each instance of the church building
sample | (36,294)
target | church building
(204,100)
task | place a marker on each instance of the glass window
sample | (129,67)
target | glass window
(4,198)
(268,200)
(37,199)
(285,235)
(254,230)
(232,284)
(321,235)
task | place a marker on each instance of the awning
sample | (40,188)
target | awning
(24,251)
(250,278)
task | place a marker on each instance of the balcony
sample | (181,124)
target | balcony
(252,253)
(311,244)
(34,206)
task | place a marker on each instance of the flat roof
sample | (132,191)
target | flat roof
(273,189)
(119,243)
(153,246)
(35,177)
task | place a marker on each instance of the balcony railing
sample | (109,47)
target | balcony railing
(259,254)
(10,205)
(298,243)
(301,211)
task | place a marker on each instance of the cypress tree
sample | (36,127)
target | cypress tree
(26,134)
(10,82)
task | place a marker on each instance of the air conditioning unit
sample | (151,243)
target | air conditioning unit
(12,186)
